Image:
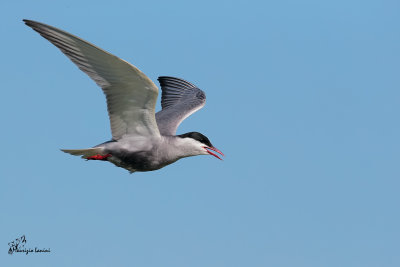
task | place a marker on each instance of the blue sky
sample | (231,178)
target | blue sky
(302,97)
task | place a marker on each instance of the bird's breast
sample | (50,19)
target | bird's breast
(140,155)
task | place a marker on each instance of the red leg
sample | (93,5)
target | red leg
(99,157)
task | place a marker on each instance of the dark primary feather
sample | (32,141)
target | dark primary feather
(173,90)
(179,100)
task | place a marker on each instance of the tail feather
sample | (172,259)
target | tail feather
(84,153)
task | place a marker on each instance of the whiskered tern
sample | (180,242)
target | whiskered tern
(142,140)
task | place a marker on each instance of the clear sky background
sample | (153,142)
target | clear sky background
(302,97)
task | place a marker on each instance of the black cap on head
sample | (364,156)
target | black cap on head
(197,136)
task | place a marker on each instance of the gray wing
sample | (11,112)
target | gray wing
(179,99)
(131,95)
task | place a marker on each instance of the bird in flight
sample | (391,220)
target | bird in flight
(142,140)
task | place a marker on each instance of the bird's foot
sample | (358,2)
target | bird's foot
(99,157)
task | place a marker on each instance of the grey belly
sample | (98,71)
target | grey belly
(138,161)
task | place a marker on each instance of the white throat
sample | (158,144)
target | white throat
(177,147)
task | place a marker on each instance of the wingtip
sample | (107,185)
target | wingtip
(28,22)
(175,82)
(32,23)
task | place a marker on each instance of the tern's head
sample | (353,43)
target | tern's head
(201,144)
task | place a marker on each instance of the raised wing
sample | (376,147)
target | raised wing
(131,95)
(179,99)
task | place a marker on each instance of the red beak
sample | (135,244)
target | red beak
(214,149)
